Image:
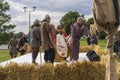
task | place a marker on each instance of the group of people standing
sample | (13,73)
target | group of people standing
(16,46)
(44,36)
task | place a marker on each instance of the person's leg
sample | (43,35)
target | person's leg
(76,57)
(22,52)
(34,56)
(46,58)
(14,55)
(11,55)
(51,55)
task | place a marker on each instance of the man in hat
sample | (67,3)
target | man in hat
(35,41)
(46,43)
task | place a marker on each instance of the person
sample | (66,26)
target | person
(28,39)
(22,42)
(52,35)
(116,46)
(61,45)
(35,41)
(88,40)
(47,46)
(93,40)
(12,46)
(76,33)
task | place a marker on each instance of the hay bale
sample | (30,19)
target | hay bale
(12,71)
(61,71)
(118,69)
(2,73)
(45,72)
(77,71)
(85,48)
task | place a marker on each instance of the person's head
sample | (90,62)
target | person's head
(14,36)
(80,20)
(47,18)
(23,35)
(37,23)
(59,29)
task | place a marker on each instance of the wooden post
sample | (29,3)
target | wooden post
(110,66)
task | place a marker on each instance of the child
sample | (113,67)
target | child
(61,45)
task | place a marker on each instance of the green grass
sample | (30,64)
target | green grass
(4,55)
(101,43)
(118,59)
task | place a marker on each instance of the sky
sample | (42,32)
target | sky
(55,8)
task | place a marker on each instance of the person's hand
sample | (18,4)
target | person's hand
(82,26)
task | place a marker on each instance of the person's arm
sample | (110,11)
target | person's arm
(26,40)
(81,30)
(37,34)
(47,27)
(59,42)
(9,44)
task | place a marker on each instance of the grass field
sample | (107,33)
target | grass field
(4,55)
(101,43)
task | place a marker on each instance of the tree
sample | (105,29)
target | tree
(68,19)
(5,27)
(5,37)
(4,17)
(19,35)
(89,21)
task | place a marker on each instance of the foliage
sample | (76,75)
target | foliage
(5,37)
(4,17)
(68,19)
(89,21)
(5,27)
(19,35)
